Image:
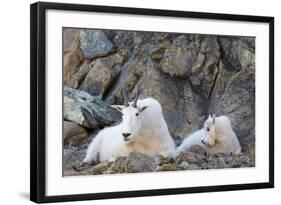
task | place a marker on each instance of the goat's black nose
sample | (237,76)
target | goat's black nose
(126,135)
(203,142)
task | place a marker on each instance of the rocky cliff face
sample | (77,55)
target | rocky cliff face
(190,75)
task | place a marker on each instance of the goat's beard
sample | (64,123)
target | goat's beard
(133,138)
(210,145)
(129,142)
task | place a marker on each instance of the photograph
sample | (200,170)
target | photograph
(137,101)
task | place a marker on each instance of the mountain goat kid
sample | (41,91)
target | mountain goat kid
(217,136)
(143,129)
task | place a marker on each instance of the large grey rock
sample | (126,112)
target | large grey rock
(71,62)
(178,60)
(134,162)
(72,158)
(191,158)
(72,111)
(73,55)
(74,135)
(77,77)
(99,111)
(240,161)
(124,42)
(102,75)
(193,56)
(94,43)
(205,69)
(71,39)
(237,52)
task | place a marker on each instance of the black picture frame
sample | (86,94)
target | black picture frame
(38,101)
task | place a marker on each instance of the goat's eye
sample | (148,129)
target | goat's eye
(208,129)
(137,114)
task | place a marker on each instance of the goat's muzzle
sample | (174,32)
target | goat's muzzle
(126,136)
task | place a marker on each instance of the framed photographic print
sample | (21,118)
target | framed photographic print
(129,102)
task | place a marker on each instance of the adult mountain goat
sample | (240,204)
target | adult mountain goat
(217,136)
(143,129)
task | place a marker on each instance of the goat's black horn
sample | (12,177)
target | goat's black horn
(126,103)
(136,97)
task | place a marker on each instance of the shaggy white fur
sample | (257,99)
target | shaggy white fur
(143,129)
(217,136)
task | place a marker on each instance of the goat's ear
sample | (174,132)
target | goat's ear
(141,109)
(118,107)
(209,117)
(214,119)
